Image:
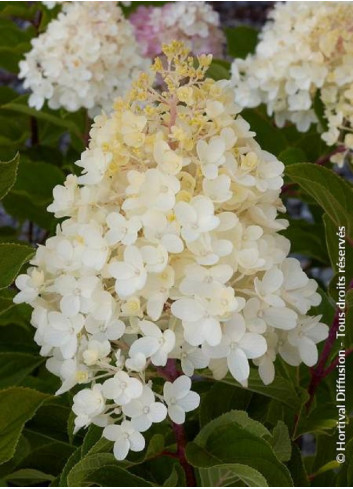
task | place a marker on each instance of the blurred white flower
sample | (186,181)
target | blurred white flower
(86,57)
(304,54)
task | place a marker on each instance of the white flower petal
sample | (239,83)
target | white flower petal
(121,448)
(238,365)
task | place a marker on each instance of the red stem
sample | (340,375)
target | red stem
(170,372)
(334,363)
(324,159)
(181,440)
(319,372)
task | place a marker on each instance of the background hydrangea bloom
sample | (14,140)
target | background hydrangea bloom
(305,51)
(85,58)
(194,23)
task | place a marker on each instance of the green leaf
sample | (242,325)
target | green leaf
(7,94)
(292,155)
(17,9)
(280,389)
(109,475)
(326,308)
(6,303)
(17,406)
(222,398)
(321,420)
(36,180)
(93,435)
(173,479)
(155,446)
(297,469)
(32,192)
(18,314)
(13,133)
(312,145)
(319,109)
(241,40)
(49,457)
(31,476)
(93,442)
(12,258)
(281,443)
(235,438)
(82,471)
(307,238)
(20,105)
(132,6)
(331,192)
(51,421)
(227,475)
(23,448)
(219,70)
(71,462)
(14,367)
(268,136)
(8,174)
(14,42)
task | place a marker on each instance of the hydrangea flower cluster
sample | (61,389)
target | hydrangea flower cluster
(86,57)
(194,23)
(169,253)
(305,51)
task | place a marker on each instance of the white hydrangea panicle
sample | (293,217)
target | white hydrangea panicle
(304,52)
(86,57)
(169,256)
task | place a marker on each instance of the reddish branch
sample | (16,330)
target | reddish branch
(320,372)
(334,363)
(180,437)
(324,159)
(170,372)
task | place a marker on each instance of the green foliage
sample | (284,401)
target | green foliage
(219,70)
(12,257)
(8,174)
(281,389)
(241,40)
(20,106)
(14,367)
(234,437)
(229,475)
(32,192)
(267,135)
(281,442)
(307,239)
(241,436)
(17,406)
(331,192)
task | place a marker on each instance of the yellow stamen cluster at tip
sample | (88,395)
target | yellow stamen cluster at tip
(175,79)
(180,65)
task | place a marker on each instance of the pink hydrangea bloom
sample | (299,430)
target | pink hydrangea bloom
(195,23)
